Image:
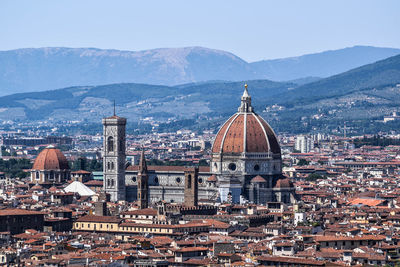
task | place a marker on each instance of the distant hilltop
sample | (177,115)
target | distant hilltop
(40,69)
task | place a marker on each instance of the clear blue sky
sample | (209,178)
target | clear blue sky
(253,30)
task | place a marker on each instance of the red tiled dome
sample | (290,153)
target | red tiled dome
(51,158)
(212,178)
(258,179)
(283,183)
(246,132)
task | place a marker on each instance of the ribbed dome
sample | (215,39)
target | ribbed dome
(246,132)
(51,158)
(283,183)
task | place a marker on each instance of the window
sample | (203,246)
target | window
(110,144)
(112,165)
(256,167)
(37,175)
(232,166)
(189,181)
(108,165)
(121,145)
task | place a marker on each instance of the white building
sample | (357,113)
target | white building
(304,144)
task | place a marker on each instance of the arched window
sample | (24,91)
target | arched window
(121,145)
(108,183)
(112,182)
(112,165)
(189,181)
(108,165)
(37,175)
(51,175)
(110,144)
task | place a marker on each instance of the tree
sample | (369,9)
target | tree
(314,177)
(302,162)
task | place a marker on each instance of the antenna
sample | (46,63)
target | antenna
(114,107)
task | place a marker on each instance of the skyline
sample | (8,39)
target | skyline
(245,30)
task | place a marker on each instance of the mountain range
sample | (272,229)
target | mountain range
(41,69)
(363,95)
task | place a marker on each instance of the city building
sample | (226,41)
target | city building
(304,144)
(246,164)
(50,167)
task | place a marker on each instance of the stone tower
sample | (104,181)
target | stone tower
(191,184)
(114,157)
(143,183)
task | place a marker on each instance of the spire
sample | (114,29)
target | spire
(245,105)
(142,163)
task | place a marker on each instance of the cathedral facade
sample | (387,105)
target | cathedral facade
(246,164)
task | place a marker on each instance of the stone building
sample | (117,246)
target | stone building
(246,164)
(50,167)
(114,157)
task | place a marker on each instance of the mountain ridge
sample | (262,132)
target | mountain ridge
(40,69)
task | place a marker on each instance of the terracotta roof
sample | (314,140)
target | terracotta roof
(202,169)
(258,179)
(259,136)
(366,201)
(283,183)
(148,211)
(81,172)
(94,183)
(212,178)
(349,238)
(51,158)
(291,260)
(10,212)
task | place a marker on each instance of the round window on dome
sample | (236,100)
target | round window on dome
(232,166)
(200,180)
(256,167)
(134,178)
(156,180)
(178,180)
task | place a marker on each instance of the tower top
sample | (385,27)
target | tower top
(142,163)
(245,105)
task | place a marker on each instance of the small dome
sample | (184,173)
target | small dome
(53,189)
(51,158)
(283,183)
(37,187)
(212,178)
(258,179)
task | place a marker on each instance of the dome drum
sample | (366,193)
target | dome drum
(246,147)
(50,167)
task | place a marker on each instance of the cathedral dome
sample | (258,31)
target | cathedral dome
(246,131)
(283,183)
(51,158)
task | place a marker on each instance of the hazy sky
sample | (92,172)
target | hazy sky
(253,30)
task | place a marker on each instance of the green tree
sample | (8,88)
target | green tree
(302,162)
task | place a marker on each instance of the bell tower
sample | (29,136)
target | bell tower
(143,183)
(114,157)
(191,187)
